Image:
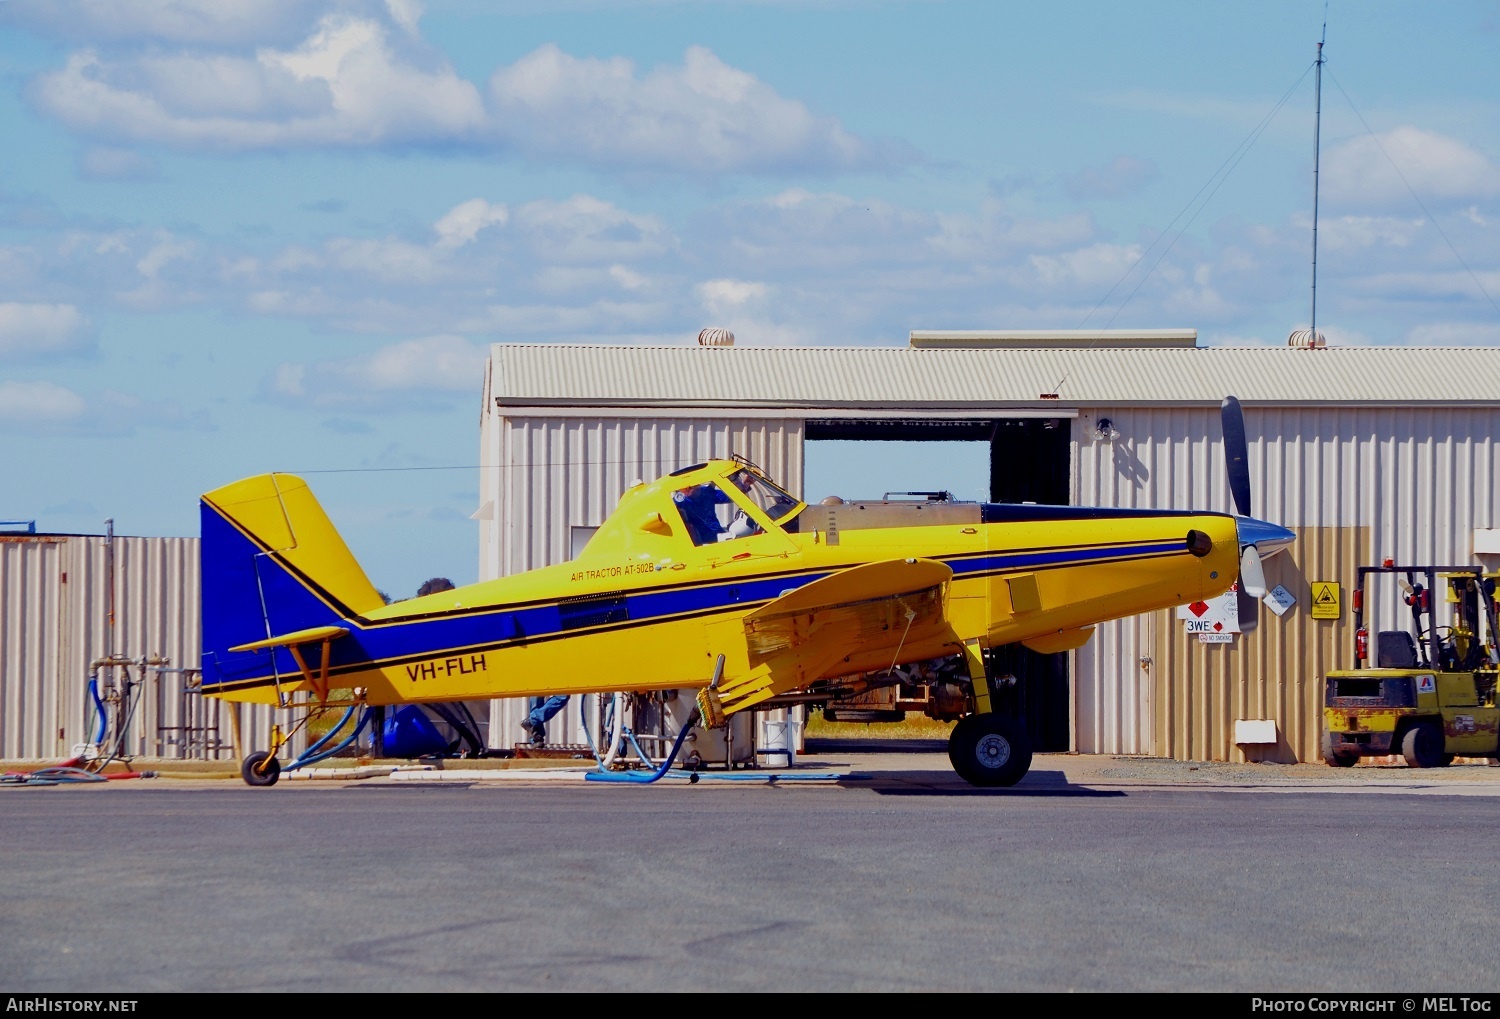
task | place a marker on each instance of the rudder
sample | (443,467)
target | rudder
(271,563)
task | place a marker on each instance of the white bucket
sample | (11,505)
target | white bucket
(778,739)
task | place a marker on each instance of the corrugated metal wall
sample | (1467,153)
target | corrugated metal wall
(1356,484)
(546,475)
(59,614)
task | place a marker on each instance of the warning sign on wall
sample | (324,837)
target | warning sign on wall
(1213,622)
(1326,603)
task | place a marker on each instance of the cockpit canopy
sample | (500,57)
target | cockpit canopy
(714,510)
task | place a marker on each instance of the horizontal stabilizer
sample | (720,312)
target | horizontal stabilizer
(312,635)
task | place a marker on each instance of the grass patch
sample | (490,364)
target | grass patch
(914,727)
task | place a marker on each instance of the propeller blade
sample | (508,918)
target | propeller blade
(1236,455)
(1252,576)
(1249,611)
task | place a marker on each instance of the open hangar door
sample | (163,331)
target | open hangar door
(1030,460)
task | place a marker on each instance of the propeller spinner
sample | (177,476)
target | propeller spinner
(1258,538)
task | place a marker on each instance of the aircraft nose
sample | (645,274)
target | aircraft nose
(1268,538)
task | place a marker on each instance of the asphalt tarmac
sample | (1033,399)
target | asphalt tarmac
(880,871)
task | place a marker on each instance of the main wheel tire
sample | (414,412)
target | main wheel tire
(1337,758)
(256,773)
(989,751)
(1422,746)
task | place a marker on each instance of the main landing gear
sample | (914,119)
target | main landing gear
(989,750)
(986,748)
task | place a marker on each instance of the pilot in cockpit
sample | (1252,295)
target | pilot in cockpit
(710,515)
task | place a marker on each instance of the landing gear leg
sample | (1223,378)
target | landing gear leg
(262,768)
(985,749)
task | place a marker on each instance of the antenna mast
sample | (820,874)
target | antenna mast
(1317,130)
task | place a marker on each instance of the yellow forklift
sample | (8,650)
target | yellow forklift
(1430,693)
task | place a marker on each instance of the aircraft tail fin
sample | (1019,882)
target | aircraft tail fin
(271,564)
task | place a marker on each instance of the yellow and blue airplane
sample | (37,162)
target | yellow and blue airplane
(714,579)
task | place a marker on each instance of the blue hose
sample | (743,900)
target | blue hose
(310,757)
(331,732)
(99,707)
(640,777)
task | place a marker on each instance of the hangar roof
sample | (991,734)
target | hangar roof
(977,378)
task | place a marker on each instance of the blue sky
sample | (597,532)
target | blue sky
(253,235)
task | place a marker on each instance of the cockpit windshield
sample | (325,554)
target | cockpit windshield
(767,496)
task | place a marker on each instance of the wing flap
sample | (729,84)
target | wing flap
(796,638)
(869,601)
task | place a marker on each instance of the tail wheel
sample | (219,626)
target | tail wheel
(260,769)
(1422,746)
(989,750)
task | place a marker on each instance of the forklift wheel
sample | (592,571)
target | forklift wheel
(1335,759)
(1422,746)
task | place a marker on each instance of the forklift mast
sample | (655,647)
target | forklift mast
(1464,646)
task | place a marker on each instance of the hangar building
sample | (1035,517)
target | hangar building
(1365,452)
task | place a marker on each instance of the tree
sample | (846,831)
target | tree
(435,585)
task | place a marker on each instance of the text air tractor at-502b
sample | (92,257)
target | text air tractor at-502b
(712,579)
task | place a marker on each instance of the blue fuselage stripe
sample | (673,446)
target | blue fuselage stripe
(370,644)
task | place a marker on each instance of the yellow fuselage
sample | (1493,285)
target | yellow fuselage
(643,608)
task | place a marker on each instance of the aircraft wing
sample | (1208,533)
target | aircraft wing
(794,639)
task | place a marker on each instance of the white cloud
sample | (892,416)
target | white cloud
(1122,176)
(464,221)
(39,407)
(587,229)
(43,331)
(1455,334)
(168,249)
(796,228)
(410,373)
(393,261)
(1425,285)
(181,21)
(1096,265)
(45,408)
(627,279)
(343,85)
(599,320)
(100,162)
(355,80)
(722,296)
(557,279)
(1200,300)
(1436,167)
(701,117)
(1354,233)
(405,13)
(993,233)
